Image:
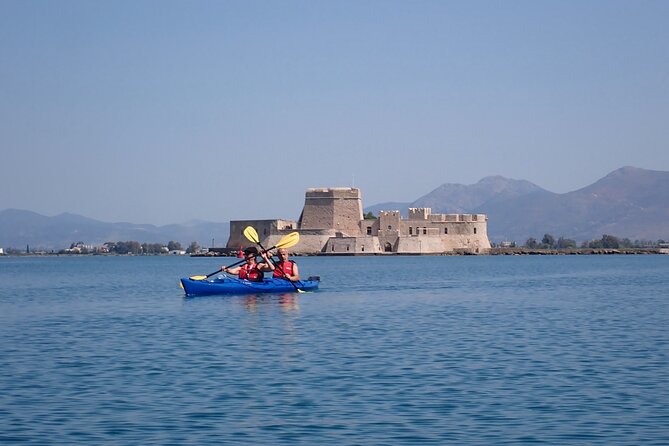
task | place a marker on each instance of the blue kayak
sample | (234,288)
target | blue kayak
(233,285)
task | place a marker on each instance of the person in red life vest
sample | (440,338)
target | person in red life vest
(285,268)
(251,270)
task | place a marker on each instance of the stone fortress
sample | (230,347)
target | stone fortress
(332,223)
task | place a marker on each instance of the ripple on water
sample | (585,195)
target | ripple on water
(482,351)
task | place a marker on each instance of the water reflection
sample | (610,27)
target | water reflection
(288,302)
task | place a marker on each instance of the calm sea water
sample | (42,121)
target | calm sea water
(391,350)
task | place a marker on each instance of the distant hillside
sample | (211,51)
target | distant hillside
(457,198)
(19,228)
(389,206)
(453,198)
(629,202)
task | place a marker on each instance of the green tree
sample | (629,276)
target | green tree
(130,247)
(531,243)
(135,247)
(610,242)
(595,244)
(566,243)
(172,246)
(121,248)
(369,216)
(193,248)
(152,248)
(548,241)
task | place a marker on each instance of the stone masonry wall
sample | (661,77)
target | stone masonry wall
(339,209)
(332,223)
(266,230)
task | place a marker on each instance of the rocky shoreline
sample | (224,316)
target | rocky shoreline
(575,251)
(520,251)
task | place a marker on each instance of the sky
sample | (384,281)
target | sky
(165,111)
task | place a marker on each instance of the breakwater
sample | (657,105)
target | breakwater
(575,251)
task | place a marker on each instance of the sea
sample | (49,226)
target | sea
(402,350)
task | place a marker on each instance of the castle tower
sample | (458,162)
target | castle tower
(337,208)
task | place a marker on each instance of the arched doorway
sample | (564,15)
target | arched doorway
(388,247)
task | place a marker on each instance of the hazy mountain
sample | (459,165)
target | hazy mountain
(458,198)
(19,228)
(453,198)
(389,206)
(629,202)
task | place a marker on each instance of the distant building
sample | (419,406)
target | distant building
(80,248)
(332,223)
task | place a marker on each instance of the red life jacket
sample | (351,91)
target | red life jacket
(286,267)
(251,272)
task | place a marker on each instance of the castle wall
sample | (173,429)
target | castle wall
(421,245)
(269,231)
(332,223)
(312,241)
(339,209)
(352,245)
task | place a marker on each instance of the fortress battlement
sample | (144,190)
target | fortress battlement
(332,223)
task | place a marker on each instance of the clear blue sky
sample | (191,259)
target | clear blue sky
(166,111)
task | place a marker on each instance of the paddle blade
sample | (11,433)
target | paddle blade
(288,240)
(251,234)
(205,277)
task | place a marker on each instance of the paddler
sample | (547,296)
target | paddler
(286,268)
(251,270)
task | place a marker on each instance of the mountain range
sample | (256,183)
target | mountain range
(627,203)
(20,228)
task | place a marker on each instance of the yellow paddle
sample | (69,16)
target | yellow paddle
(252,235)
(286,242)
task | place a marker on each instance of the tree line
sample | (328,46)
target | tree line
(606,242)
(130,247)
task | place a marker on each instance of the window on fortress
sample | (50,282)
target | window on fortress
(390,227)
(369,230)
(445,230)
(474,230)
(410,230)
(424,230)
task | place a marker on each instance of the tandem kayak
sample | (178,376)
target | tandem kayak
(233,285)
